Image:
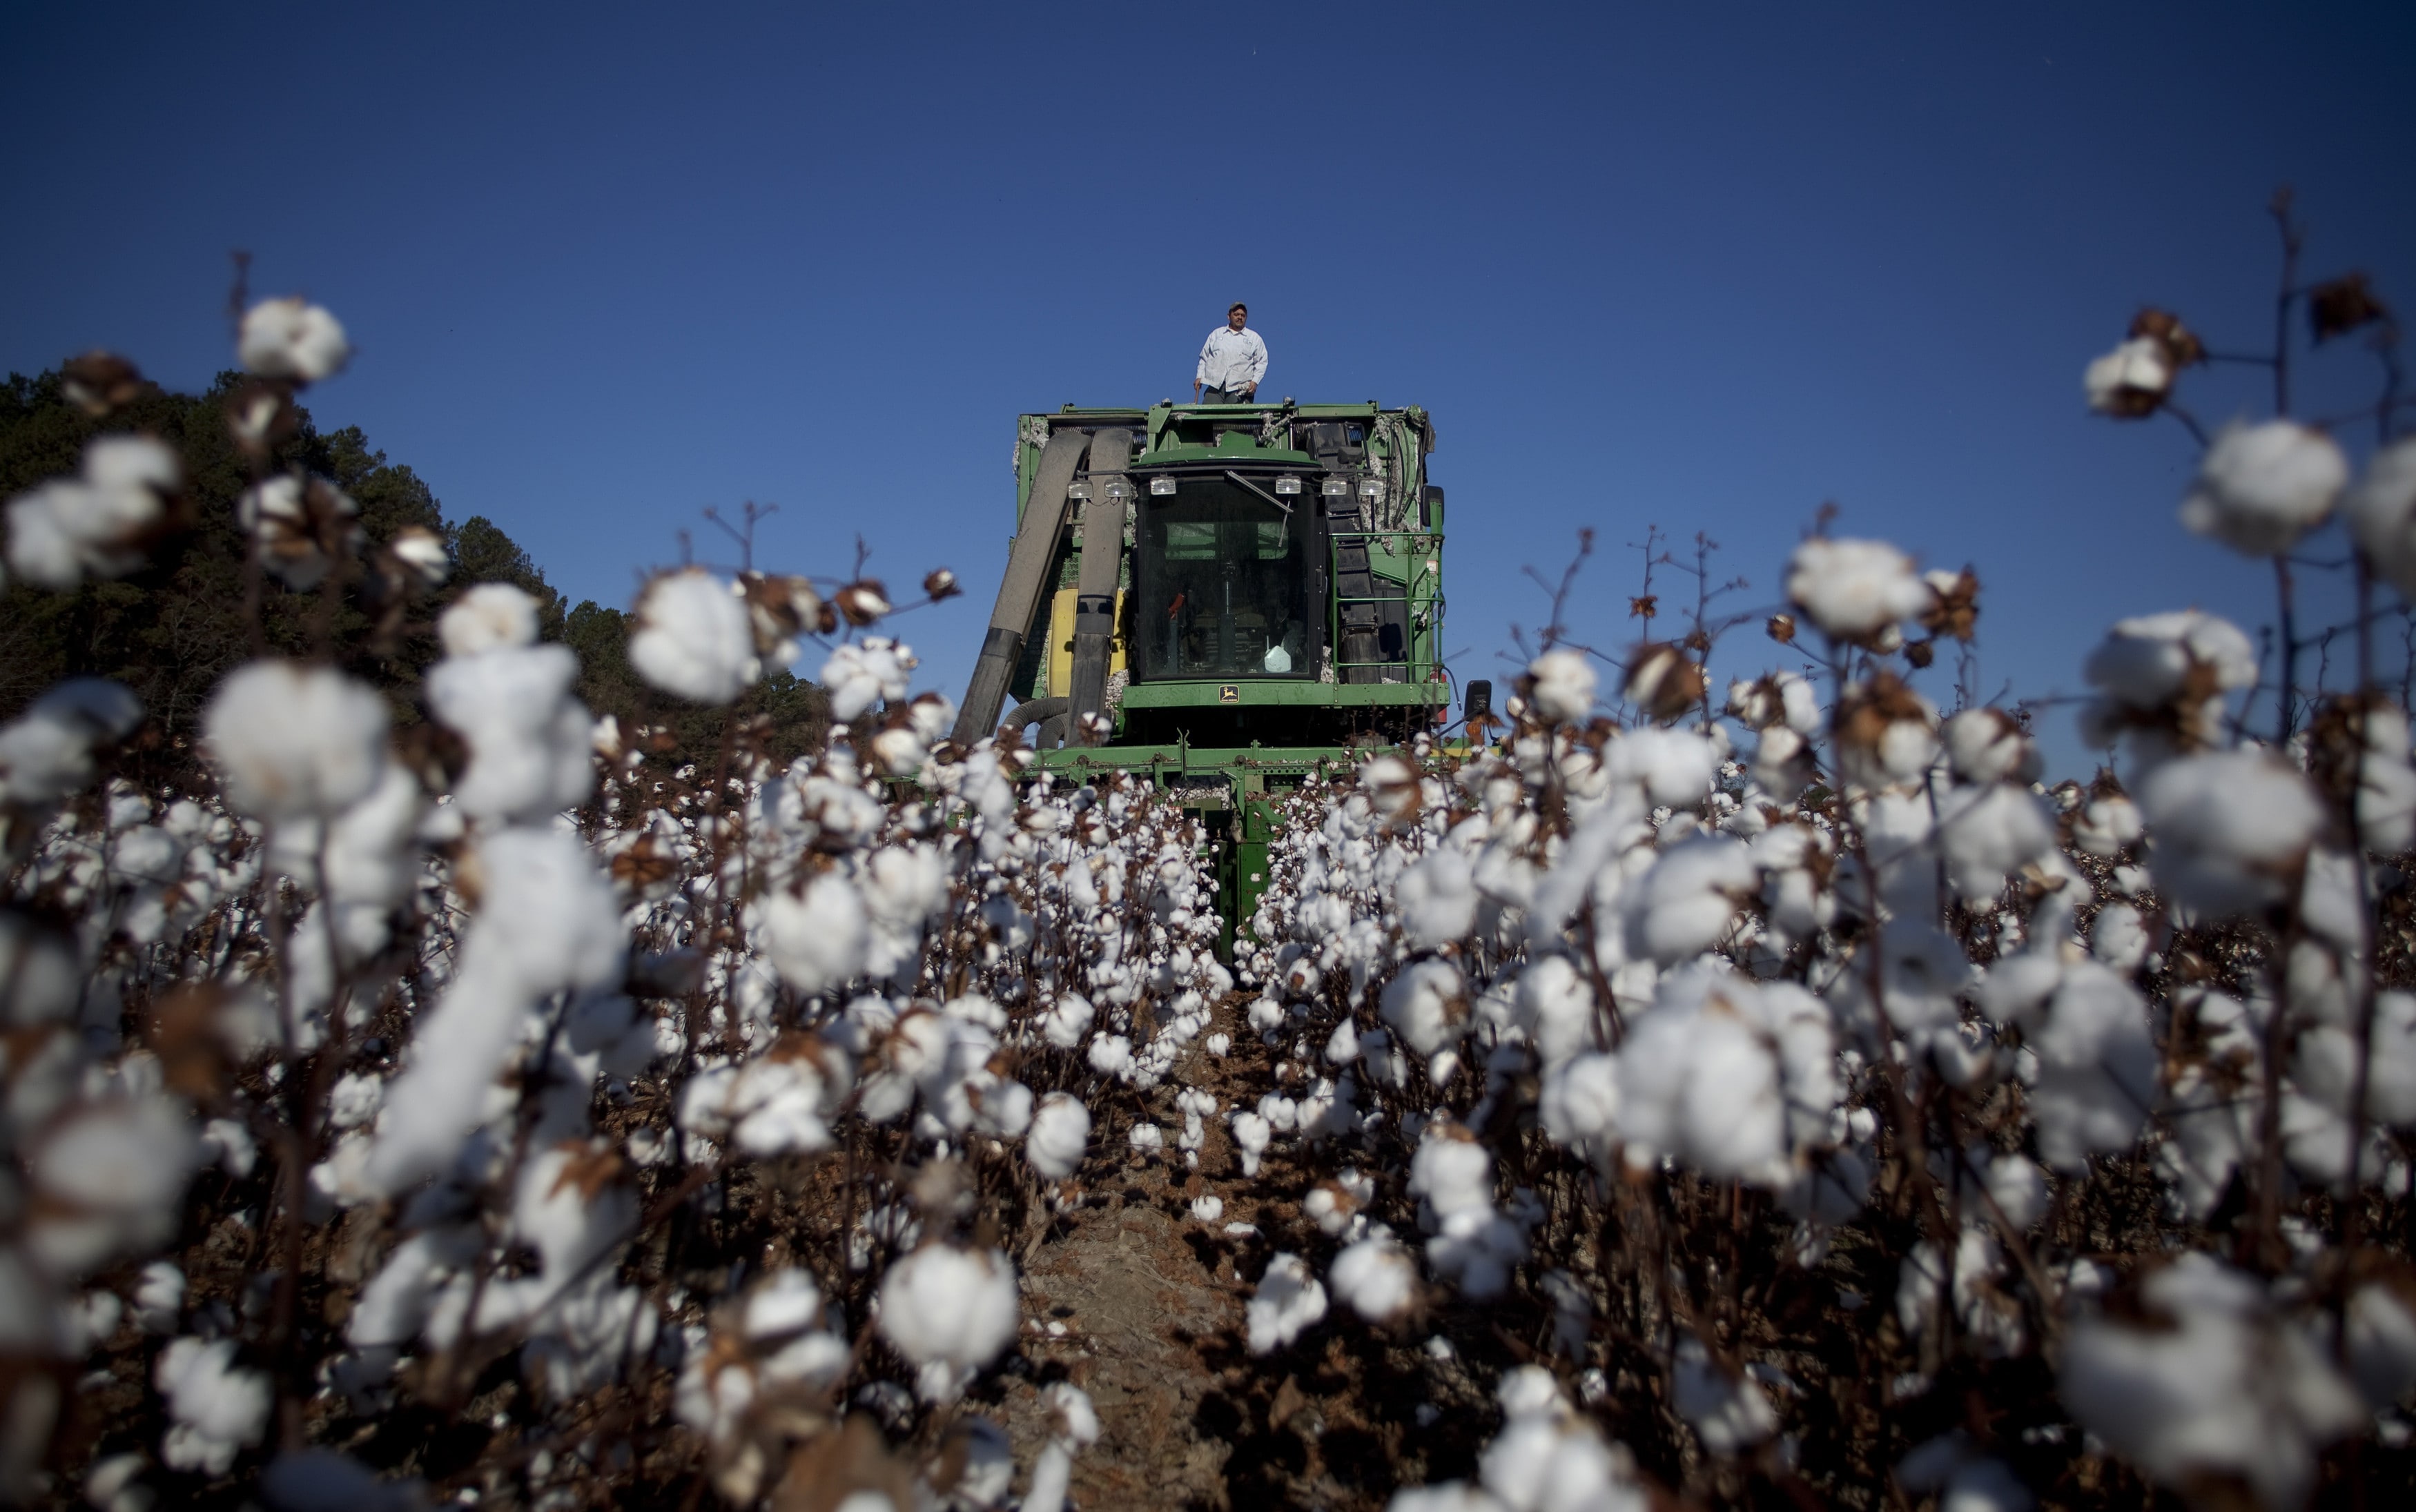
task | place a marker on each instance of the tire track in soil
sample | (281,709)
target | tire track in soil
(1149,1301)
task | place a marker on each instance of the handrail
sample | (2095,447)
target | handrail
(1421,587)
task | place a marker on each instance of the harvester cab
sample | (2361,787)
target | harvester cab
(1220,599)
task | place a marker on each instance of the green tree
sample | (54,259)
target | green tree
(173,630)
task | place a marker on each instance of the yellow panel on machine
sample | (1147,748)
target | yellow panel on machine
(1061,641)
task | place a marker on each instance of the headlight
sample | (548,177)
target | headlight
(1287,484)
(1080,493)
(1161,487)
(1336,487)
(1371,488)
(1119,490)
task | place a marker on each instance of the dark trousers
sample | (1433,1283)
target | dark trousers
(1220,396)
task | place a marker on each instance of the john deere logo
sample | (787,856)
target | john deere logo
(1228,694)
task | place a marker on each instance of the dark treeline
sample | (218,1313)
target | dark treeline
(173,630)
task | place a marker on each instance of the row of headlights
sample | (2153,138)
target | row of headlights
(1288,484)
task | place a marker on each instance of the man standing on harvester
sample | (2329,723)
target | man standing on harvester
(1233,362)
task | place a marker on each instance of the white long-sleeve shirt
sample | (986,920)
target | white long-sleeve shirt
(1232,360)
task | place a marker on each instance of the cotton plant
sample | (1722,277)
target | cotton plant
(574,923)
(1686,1043)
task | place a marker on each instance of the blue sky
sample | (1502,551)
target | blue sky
(1695,267)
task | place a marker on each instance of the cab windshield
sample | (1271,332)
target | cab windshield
(1223,585)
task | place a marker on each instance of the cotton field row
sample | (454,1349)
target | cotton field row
(1805,1099)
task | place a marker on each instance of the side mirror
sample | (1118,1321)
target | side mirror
(1476,701)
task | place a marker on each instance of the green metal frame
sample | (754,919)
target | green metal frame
(1233,789)
(1413,560)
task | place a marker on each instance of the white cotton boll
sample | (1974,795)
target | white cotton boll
(950,1312)
(1073,1425)
(1251,1133)
(2096,1077)
(1067,1021)
(904,887)
(1376,1279)
(1580,1103)
(1059,1137)
(547,921)
(777,1104)
(1146,1138)
(1783,763)
(45,752)
(2222,1389)
(1111,1054)
(2148,661)
(98,523)
(2228,829)
(46,539)
(1564,685)
(1688,902)
(568,1209)
(2381,1344)
(294,741)
(864,672)
(2381,508)
(1703,1087)
(218,1409)
(529,738)
(2164,677)
(2134,372)
(692,638)
(1557,1004)
(1546,1459)
(1728,1413)
(2386,785)
(2119,939)
(293,340)
(1207,1209)
(818,941)
(1853,589)
(1672,766)
(488,617)
(1342,1045)
(396,1304)
(90,1321)
(228,1144)
(1988,745)
(2262,486)
(1290,1300)
(2325,1064)
(783,1323)
(1427,1003)
(2018,1188)
(160,1298)
(1452,1171)
(1988,832)
(112,1175)
(1002,1108)
(2019,986)
(1436,899)
(2106,825)
(301,527)
(1980,1309)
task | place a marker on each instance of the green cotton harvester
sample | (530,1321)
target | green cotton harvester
(1223,599)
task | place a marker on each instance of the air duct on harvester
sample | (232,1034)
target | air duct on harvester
(1019,595)
(1094,588)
